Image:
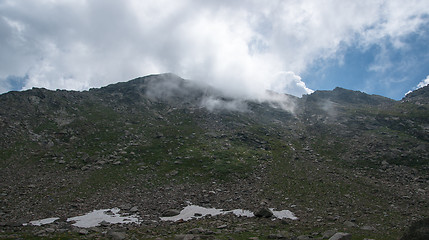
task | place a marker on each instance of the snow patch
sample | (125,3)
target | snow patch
(112,216)
(193,211)
(196,212)
(283,214)
(42,221)
(241,213)
(95,217)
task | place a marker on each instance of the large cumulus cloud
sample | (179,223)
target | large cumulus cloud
(241,47)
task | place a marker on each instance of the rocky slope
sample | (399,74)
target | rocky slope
(340,160)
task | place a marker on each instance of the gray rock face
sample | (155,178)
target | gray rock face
(341,236)
(264,213)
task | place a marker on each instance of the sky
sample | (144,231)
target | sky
(241,47)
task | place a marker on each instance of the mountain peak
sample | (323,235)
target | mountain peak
(342,95)
(419,96)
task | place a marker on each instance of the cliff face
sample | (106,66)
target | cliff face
(159,141)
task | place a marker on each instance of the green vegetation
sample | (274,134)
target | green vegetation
(359,161)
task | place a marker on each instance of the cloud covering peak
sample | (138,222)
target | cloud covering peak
(240,47)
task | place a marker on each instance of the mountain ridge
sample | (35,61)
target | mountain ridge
(336,92)
(340,160)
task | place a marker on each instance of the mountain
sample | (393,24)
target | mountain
(419,96)
(344,96)
(340,160)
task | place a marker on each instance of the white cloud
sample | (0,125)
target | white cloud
(423,83)
(241,47)
(291,83)
(213,104)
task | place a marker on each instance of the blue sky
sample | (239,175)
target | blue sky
(242,47)
(398,69)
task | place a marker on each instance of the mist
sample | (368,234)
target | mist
(171,88)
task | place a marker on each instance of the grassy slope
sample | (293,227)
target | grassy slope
(157,145)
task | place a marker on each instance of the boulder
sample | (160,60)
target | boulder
(368,228)
(197,231)
(264,213)
(341,236)
(170,213)
(329,233)
(222,226)
(83,232)
(117,235)
(350,224)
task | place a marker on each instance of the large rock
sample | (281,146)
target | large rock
(368,228)
(264,212)
(329,233)
(341,236)
(117,235)
(350,224)
(83,232)
(170,213)
(134,209)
